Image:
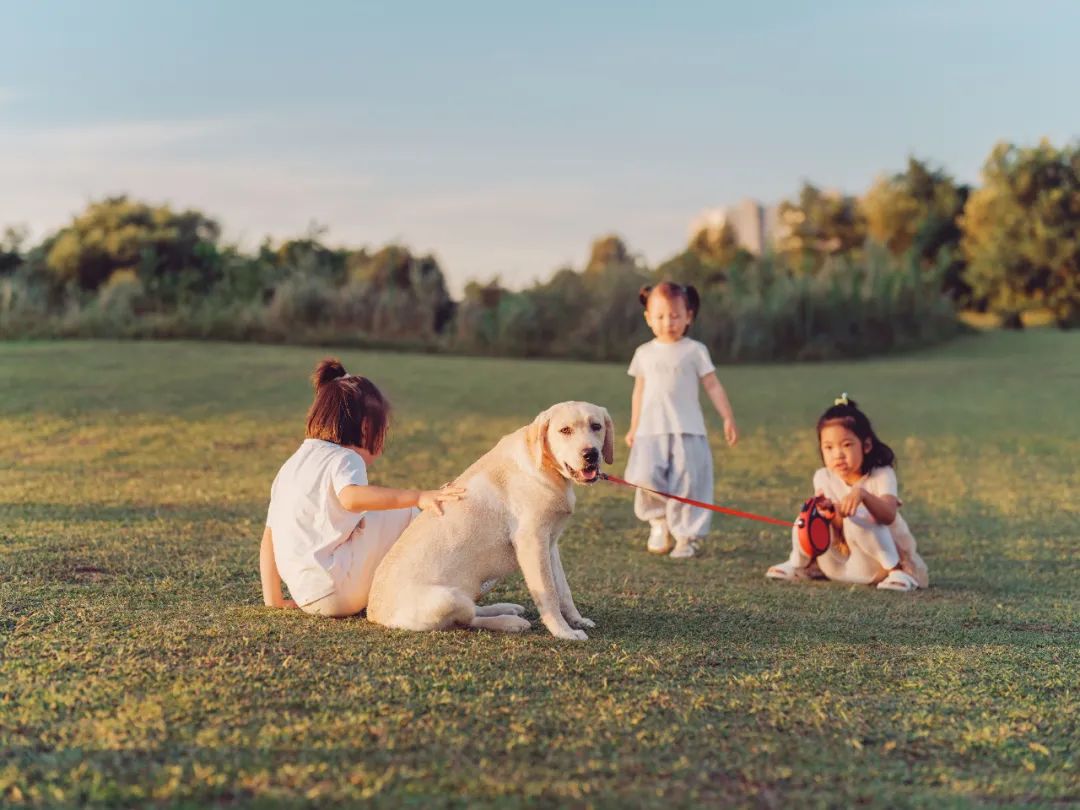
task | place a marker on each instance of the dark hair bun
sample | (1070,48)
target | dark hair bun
(328,370)
(643,295)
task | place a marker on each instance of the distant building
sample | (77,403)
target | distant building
(755,226)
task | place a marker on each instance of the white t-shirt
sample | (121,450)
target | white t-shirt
(879,481)
(306,518)
(672,374)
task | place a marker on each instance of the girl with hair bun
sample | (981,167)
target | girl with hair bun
(327,528)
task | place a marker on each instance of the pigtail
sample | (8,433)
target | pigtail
(693,300)
(880,455)
(643,295)
(328,370)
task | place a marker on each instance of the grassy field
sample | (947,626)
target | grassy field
(138,666)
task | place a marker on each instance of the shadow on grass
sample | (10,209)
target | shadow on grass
(127,514)
(773,629)
(433,776)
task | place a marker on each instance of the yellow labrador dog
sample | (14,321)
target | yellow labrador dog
(519,496)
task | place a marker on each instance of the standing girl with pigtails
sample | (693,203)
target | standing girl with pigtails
(669,448)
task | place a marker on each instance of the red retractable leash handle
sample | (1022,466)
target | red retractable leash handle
(713,507)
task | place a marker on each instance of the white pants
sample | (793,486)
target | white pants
(355,560)
(875,550)
(679,463)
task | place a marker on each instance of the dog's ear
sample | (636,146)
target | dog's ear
(536,437)
(609,437)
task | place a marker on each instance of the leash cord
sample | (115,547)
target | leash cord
(701,504)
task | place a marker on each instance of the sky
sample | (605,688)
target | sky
(504,137)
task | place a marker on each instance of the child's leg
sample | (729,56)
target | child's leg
(873,554)
(910,560)
(692,477)
(648,465)
(356,559)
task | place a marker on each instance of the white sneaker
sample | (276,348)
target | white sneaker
(685,548)
(659,540)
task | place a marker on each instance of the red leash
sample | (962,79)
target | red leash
(616,480)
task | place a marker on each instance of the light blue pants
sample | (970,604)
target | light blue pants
(679,463)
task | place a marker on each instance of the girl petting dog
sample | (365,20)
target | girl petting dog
(669,449)
(327,529)
(870,542)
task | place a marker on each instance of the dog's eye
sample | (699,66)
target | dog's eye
(595,426)
(566,431)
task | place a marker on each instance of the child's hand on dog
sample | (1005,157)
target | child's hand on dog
(433,498)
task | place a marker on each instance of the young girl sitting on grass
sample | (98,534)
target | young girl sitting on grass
(669,449)
(327,529)
(870,542)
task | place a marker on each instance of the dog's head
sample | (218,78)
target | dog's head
(572,437)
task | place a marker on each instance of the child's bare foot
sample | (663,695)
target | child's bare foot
(787,572)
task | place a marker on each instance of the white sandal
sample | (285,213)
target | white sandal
(685,549)
(898,580)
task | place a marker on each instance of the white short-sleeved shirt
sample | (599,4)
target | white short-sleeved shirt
(306,518)
(672,374)
(879,481)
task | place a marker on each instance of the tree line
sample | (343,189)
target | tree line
(847,275)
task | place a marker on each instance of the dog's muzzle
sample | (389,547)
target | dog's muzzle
(588,474)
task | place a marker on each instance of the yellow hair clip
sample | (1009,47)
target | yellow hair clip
(841,400)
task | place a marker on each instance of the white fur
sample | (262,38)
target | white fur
(518,499)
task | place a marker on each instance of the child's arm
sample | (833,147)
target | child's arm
(367,498)
(635,409)
(720,401)
(271,581)
(881,507)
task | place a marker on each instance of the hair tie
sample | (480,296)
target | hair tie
(841,400)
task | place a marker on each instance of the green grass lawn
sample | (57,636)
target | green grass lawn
(138,666)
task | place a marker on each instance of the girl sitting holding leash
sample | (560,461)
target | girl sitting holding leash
(870,542)
(327,529)
(669,449)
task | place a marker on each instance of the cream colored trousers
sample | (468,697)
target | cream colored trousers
(355,560)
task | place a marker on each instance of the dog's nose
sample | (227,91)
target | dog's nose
(591,454)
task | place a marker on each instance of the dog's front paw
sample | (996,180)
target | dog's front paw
(571,635)
(582,622)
